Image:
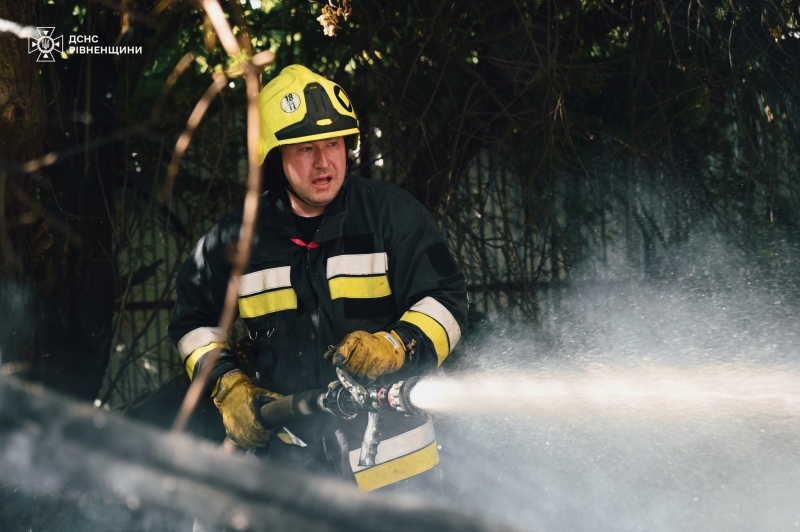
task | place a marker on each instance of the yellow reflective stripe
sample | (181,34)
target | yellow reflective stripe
(359,287)
(268,302)
(198,353)
(398,469)
(432,329)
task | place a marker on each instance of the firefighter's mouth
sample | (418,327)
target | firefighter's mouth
(320,181)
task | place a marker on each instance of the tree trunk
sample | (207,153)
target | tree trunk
(62,262)
(22,122)
(22,125)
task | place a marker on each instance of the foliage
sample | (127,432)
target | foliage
(543,135)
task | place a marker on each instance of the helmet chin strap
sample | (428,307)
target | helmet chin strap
(274,168)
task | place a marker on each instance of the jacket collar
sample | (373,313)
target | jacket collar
(335,214)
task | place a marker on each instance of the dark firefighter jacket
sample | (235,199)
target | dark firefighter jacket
(376,263)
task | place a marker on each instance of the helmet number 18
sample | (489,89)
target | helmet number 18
(290,103)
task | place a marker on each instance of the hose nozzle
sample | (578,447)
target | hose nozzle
(343,398)
(396,397)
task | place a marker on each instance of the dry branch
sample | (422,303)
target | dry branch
(252,197)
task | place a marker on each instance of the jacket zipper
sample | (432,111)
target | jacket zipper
(311,281)
(308,250)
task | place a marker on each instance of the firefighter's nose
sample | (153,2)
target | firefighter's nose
(322,160)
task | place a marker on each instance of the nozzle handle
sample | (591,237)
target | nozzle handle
(369,445)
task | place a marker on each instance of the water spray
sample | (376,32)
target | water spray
(649,391)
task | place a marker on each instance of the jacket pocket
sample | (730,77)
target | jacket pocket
(263,352)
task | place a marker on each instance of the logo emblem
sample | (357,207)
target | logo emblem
(46,45)
(343,99)
(290,103)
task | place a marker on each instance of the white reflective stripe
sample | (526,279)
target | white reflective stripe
(293,438)
(434,309)
(400,445)
(366,264)
(264,280)
(199,338)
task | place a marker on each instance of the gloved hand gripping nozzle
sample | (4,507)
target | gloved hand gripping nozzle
(346,398)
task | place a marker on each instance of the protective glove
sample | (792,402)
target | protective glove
(369,355)
(236,398)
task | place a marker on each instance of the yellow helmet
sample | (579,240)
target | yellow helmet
(299,105)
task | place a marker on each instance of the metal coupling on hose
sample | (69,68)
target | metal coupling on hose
(338,401)
(397,398)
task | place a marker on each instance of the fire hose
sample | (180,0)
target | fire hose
(346,398)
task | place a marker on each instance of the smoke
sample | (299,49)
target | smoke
(635,405)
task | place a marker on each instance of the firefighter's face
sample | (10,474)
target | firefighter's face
(315,170)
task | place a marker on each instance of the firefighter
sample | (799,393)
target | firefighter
(337,260)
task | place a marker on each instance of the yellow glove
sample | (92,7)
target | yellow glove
(235,396)
(371,355)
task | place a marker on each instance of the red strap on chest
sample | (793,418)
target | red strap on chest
(298,242)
